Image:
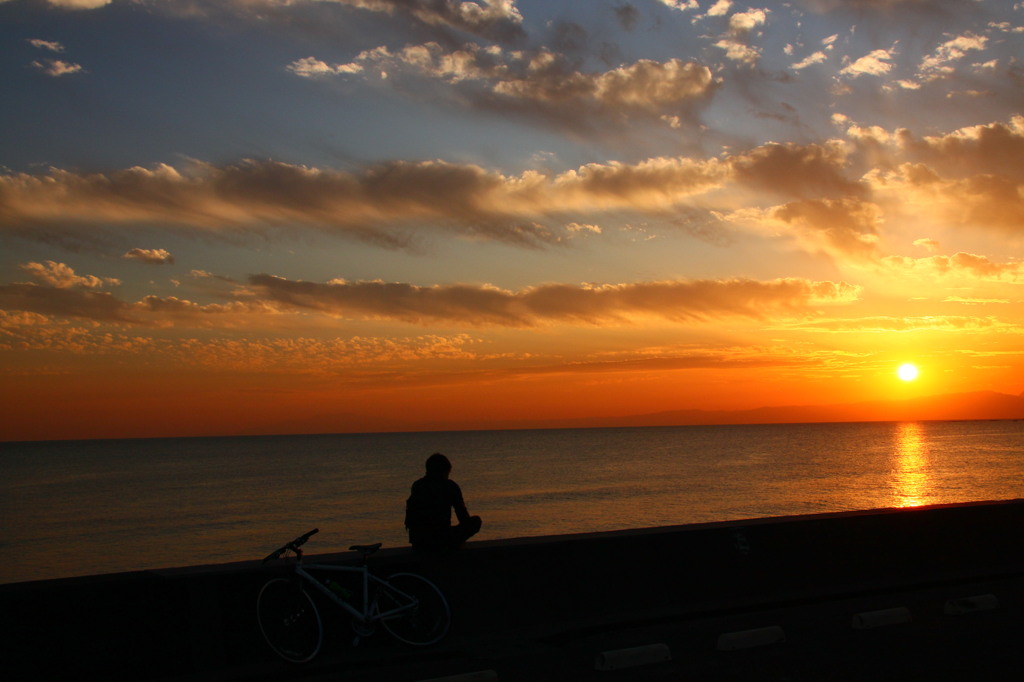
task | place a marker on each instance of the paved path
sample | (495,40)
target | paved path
(950,631)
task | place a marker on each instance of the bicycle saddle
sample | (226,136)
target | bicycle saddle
(366,549)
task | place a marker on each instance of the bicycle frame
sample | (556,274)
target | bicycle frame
(366,615)
(290,620)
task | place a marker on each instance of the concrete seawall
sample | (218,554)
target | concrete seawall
(559,594)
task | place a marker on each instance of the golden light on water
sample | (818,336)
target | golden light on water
(910,483)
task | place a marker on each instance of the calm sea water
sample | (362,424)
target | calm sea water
(78,508)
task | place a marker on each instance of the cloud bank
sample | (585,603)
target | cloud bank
(838,193)
(59,291)
(555,303)
(538,82)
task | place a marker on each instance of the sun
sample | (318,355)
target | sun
(907,372)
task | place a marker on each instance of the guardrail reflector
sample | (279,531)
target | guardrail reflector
(745,639)
(617,659)
(867,620)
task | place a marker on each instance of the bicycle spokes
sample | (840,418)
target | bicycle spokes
(289,621)
(413,610)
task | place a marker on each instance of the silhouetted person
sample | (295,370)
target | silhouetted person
(428,511)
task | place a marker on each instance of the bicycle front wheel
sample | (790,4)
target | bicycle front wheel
(413,609)
(289,620)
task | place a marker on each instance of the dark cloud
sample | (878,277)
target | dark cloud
(494,20)
(627,15)
(995,148)
(373,206)
(151,311)
(497,20)
(971,177)
(917,6)
(539,83)
(569,37)
(64,302)
(797,170)
(380,205)
(843,226)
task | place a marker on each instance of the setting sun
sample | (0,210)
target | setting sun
(907,372)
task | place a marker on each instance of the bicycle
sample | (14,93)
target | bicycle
(410,607)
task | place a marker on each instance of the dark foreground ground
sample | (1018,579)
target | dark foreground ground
(934,593)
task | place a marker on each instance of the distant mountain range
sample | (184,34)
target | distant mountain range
(979,405)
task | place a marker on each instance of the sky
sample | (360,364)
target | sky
(285,216)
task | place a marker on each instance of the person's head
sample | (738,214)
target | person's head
(438,465)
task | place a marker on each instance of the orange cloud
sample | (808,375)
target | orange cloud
(79,4)
(884,324)
(150,256)
(32,332)
(959,264)
(62,276)
(65,294)
(969,177)
(845,229)
(61,292)
(984,200)
(551,303)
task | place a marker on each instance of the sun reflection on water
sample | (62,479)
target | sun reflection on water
(910,483)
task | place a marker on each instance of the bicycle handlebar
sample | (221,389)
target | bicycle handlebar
(293,546)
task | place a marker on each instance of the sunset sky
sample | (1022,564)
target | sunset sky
(265,216)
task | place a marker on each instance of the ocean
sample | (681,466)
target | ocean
(73,508)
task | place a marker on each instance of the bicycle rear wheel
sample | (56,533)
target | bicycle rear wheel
(289,620)
(413,609)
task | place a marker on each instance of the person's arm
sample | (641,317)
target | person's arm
(458,504)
